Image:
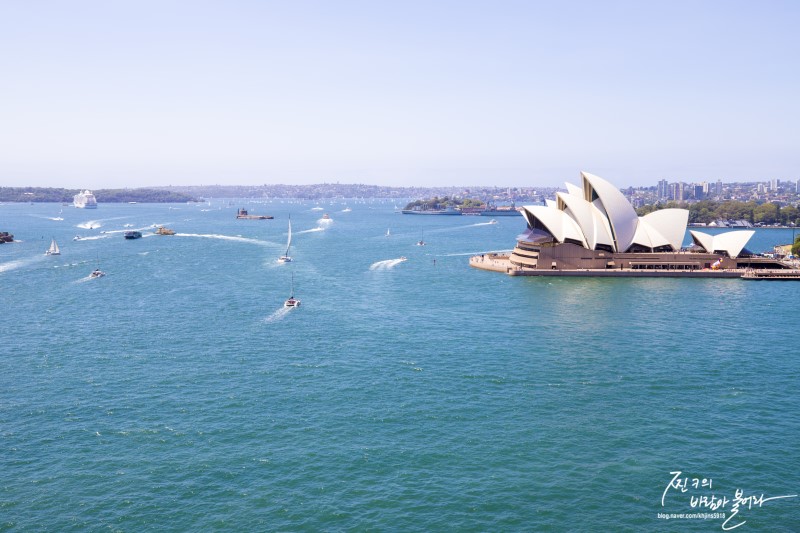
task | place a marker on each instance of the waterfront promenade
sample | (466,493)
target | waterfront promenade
(501,263)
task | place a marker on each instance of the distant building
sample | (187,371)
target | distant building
(663,189)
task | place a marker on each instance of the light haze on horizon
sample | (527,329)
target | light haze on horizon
(515,93)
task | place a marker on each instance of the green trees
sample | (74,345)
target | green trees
(444,203)
(45,194)
(707,211)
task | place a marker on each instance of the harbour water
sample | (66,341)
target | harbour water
(177,393)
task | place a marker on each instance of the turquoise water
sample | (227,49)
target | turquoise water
(177,393)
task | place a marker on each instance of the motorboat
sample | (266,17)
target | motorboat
(133,234)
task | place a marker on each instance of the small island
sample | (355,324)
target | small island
(443,206)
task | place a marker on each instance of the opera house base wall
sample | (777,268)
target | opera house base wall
(567,259)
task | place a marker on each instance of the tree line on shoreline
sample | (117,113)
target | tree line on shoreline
(706,211)
(49,194)
(445,202)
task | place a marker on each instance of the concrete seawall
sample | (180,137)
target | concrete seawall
(501,263)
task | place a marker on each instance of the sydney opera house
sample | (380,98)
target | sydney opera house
(594,228)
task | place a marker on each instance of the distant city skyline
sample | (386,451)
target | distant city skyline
(516,94)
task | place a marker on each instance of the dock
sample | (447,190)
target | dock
(501,263)
(788,274)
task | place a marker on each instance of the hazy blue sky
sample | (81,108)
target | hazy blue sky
(519,93)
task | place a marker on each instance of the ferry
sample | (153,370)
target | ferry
(84,200)
(164,231)
(502,211)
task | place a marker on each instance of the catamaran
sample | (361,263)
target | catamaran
(292,301)
(53,250)
(285,258)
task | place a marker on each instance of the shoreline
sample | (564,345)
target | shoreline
(501,263)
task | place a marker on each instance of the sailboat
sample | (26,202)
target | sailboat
(285,258)
(292,301)
(53,250)
(421,242)
(388,233)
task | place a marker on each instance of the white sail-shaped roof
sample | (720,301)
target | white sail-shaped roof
(648,236)
(730,242)
(621,215)
(557,222)
(574,190)
(703,240)
(591,221)
(671,223)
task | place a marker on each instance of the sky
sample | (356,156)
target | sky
(100,94)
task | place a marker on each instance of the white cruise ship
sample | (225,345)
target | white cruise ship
(84,200)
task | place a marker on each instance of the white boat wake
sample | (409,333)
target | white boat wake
(227,238)
(386,264)
(278,315)
(312,230)
(48,218)
(128,227)
(19,263)
(90,224)
(94,237)
(94,224)
(85,279)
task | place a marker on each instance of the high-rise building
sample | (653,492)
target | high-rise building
(718,192)
(663,189)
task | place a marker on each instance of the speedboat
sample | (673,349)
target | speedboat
(76,238)
(97,273)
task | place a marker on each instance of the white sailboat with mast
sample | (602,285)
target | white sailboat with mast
(53,250)
(286,258)
(292,301)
